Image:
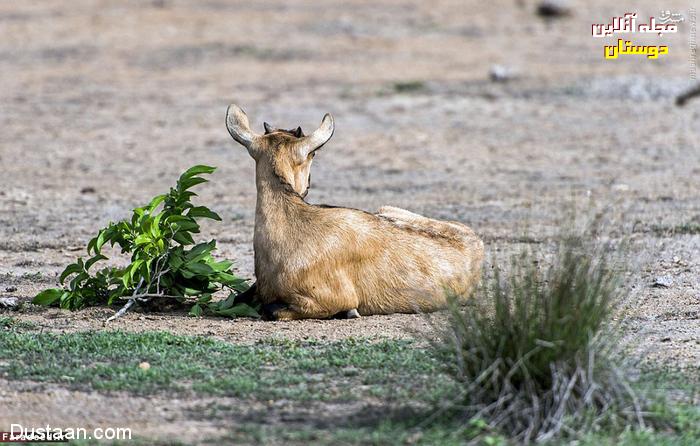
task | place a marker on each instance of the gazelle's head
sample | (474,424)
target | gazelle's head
(285,153)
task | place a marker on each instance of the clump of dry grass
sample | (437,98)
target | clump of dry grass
(538,351)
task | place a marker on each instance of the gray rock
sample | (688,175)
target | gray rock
(8,302)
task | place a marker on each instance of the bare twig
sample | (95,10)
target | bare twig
(121,312)
(128,305)
(147,296)
(144,297)
(684,97)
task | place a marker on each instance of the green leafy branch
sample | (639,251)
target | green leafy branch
(165,260)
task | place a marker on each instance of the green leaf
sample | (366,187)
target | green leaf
(175,218)
(199,268)
(175,262)
(186,226)
(47,297)
(116,293)
(205,298)
(138,215)
(126,276)
(229,279)
(184,238)
(78,280)
(158,199)
(203,212)
(239,285)
(191,182)
(94,260)
(101,236)
(186,195)
(70,301)
(224,304)
(239,310)
(143,239)
(155,226)
(70,269)
(91,245)
(196,310)
(196,170)
(198,252)
(221,266)
(135,265)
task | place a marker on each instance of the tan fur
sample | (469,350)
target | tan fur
(321,260)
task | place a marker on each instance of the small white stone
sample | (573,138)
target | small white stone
(500,73)
(8,302)
(663,281)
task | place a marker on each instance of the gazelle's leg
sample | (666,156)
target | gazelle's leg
(299,307)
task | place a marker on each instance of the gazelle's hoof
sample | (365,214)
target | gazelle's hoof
(273,312)
(352,314)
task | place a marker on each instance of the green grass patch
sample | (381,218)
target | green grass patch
(109,361)
(8,322)
(383,431)
(689,228)
(396,384)
(684,430)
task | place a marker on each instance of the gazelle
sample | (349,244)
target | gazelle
(318,261)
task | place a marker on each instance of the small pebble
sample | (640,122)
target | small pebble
(144,366)
(553,8)
(500,73)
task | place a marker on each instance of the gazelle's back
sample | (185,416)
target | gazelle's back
(404,266)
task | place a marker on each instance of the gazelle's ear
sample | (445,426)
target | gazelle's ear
(238,126)
(318,138)
(268,128)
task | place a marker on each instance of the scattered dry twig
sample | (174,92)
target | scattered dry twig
(128,305)
(684,97)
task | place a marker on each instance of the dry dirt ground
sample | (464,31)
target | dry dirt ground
(104,103)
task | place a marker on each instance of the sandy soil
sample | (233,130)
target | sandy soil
(105,103)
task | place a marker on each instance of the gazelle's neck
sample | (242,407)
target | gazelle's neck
(277,212)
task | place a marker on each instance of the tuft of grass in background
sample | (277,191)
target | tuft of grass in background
(409,86)
(690,228)
(538,353)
